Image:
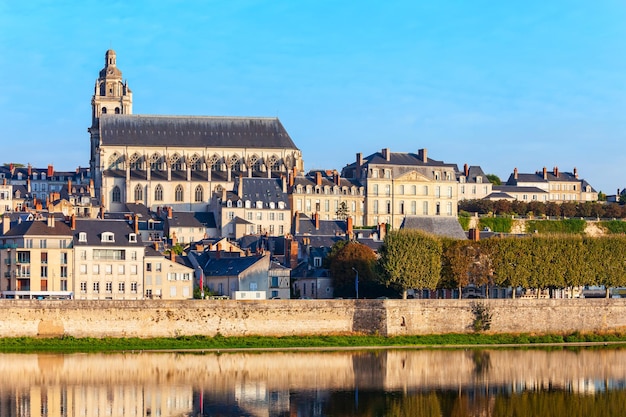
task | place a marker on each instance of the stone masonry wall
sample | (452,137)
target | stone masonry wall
(152,318)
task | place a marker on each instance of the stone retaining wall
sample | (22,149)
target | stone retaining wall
(302,317)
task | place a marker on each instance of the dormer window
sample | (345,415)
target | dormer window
(82,237)
(132,238)
(239,203)
(107,237)
(19,175)
(229,203)
(272,205)
(43,175)
(479,179)
(281,205)
(462,180)
(259,204)
(248,204)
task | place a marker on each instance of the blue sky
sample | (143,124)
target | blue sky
(490,83)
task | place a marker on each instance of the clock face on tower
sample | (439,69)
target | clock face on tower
(110,71)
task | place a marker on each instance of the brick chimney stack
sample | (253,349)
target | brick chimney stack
(30,170)
(575,173)
(337,177)
(169,212)
(545,173)
(515,173)
(172,256)
(51,221)
(218,251)
(386,154)
(318,178)
(466,170)
(474,234)
(136,223)
(349,226)
(422,154)
(50,170)
(240,186)
(69,186)
(317,221)
(296,221)
(555,171)
(359,165)
(28,185)
(283,182)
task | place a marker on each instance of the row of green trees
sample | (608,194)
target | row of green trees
(411,259)
(538,208)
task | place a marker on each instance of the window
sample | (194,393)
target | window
(158,193)
(401,190)
(437,191)
(121,287)
(96,269)
(44,257)
(83,287)
(157,267)
(63,271)
(28,243)
(449,192)
(44,271)
(413,207)
(96,287)
(178,193)
(425,208)
(120,269)
(149,267)
(109,287)
(43,243)
(132,238)
(317,262)
(375,189)
(138,193)
(133,287)
(107,237)
(82,237)
(133,269)
(108,269)
(133,255)
(63,258)
(230,215)
(199,194)
(375,207)
(116,194)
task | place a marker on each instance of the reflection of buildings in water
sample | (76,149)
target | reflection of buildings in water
(272,384)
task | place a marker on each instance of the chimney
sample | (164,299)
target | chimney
(318,178)
(28,185)
(11,167)
(515,173)
(317,221)
(386,154)
(555,171)
(169,212)
(283,182)
(69,186)
(102,212)
(91,191)
(50,221)
(199,247)
(224,194)
(156,245)
(4,181)
(466,170)
(422,154)
(296,221)
(382,231)
(30,170)
(136,223)
(291,178)
(240,186)
(73,222)
(337,177)
(218,251)
(359,164)
(349,226)
(50,171)
(575,173)
(474,234)
(172,256)
(6,224)
(545,173)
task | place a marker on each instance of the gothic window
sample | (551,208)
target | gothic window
(158,193)
(156,163)
(135,161)
(255,163)
(214,163)
(274,163)
(116,194)
(199,193)
(196,162)
(235,163)
(178,193)
(138,193)
(176,162)
(116,161)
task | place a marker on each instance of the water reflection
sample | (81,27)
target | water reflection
(366,383)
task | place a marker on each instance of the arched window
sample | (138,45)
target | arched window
(104,110)
(116,161)
(158,193)
(156,164)
(255,163)
(117,110)
(214,163)
(235,163)
(138,193)
(116,194)
(196,162)
(199,194)
(135,161)
(178,193)
(274,163)
(176,162)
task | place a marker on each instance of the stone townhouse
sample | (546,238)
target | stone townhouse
(559,186)
(473,183)
(36,259)
(176,161)
(400,184)
(167,277)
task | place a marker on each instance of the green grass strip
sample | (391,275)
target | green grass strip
(68,344)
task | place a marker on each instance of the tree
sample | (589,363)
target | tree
(352,256)
(342,211)
(410,259)
(458,256)
(494,179)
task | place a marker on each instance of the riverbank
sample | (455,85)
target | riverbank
(255,343)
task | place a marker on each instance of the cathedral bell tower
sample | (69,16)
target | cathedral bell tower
(111,96)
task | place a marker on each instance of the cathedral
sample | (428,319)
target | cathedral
(176,161)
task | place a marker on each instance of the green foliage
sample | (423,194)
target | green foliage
(497,224)
(177,249)
(464,221)
(342,211)
(556,226)
(482,317)
(352,256)
(410,259)
(494,179)
(614,226)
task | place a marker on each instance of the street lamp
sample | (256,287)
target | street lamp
(356,283)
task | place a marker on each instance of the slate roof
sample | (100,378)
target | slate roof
(194,131)
(474,172)
(229,266)
(192,219)
(515,189)
(39,228)
(327,227)
(550,177)
(435,225)
(401,158)
(95,227)
(327,180)
(267,190)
